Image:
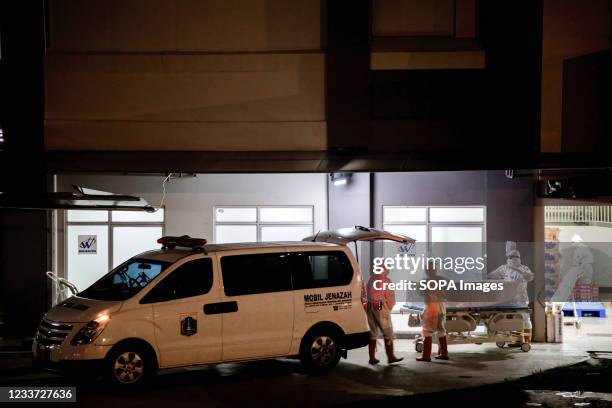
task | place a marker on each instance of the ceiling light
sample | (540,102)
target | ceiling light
(340,179)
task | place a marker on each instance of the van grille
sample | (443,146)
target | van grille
(52,333)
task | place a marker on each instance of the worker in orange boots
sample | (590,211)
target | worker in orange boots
(381,300)
(434,318)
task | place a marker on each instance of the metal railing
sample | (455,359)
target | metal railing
(578,214)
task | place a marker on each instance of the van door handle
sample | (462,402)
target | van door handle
(220,307)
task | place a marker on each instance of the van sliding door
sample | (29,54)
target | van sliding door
(260,323)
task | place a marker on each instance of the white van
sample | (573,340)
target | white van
(194,304)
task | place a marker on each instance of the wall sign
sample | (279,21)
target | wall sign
(88,244)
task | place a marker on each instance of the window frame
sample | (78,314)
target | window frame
(290,255)
(110,224)
(144,299)
(258,223)
(431,224)
(164,267)
(336,253)
(285,253)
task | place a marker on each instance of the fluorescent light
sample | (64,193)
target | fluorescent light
(340,179)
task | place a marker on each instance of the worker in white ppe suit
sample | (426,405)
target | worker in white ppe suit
(434,319)
(580,271)
(514,271)
(381,300)
(583,260)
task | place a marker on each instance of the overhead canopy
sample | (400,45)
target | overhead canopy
(82,198)
(358,233)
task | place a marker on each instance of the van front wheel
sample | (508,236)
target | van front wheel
(320,351)
(128,366)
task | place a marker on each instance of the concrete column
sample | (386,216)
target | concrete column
(539,318)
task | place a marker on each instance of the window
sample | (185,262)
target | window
(456,234)
(84,266)
(320,270)
(129,241)
(110,237)
(433,227)
(125,281)
(87,216)
(436,224)
(456,214)
(404,214)
(138,216)
(235,233)
(193,278)
(258,273)
(263,223)
(285,232)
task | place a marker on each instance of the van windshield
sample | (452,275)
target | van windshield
(125,281)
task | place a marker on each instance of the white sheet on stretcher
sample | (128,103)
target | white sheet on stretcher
(467,306)
(475,299)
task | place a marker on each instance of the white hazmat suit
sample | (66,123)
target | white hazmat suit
(514,271)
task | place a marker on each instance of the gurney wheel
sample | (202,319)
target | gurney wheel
(418,347)
(500,344)
(525,347)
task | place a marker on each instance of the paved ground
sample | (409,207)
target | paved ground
(281,382)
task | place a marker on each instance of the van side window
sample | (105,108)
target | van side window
(320,269)
(193,278)
(257,273)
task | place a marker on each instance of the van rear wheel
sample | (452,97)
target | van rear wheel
(320,351)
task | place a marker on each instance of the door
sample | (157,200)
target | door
(259,285)
(185,333)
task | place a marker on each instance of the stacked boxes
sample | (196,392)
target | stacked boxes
(584,292)
(552,261)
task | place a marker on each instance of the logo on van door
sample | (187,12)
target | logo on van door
(189,325)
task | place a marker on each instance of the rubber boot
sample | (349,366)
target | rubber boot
(442,349)
(391,358)
(526,339)
(372,350)
(426,356)
(527,335)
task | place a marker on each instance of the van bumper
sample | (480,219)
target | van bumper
(69,367)
(356,340)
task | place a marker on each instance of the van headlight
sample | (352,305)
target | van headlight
(90,331)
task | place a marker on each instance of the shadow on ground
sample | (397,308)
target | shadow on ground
(587,384)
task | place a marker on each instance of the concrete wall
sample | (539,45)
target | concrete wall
(509,208)
(349,205)
(188,75)
(189,202)
(509,203)
(571,28)
(413,17)
(186,25)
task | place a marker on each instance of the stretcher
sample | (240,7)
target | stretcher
(502,324)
